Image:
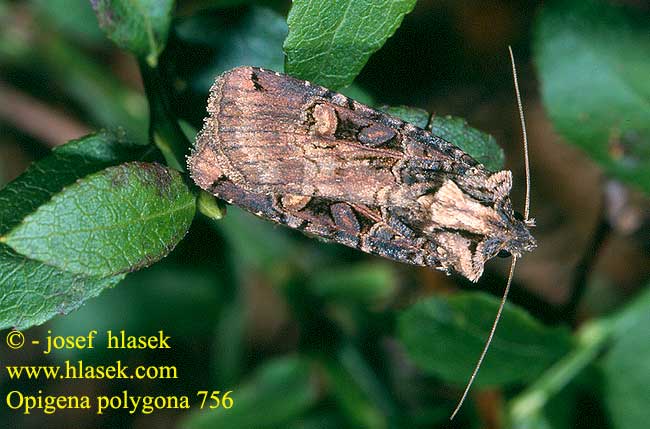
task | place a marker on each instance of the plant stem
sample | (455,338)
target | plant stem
(164,130)
(210,206)
(586,264)
(592,339)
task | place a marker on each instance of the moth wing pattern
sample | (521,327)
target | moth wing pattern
(340,222)
(312,159)
(321,142)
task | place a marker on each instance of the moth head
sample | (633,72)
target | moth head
(474,225)
(513,232)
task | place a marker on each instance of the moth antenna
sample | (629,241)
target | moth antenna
(504,298)
(524,134)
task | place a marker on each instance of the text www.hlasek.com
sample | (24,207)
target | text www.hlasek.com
(49,404)
(79,370)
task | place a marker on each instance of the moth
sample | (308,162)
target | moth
(304,156)
(315,160)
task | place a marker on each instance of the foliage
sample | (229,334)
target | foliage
(460,324)
(360,345)
(140,26)
(482,146)
(330,41)
(607,114)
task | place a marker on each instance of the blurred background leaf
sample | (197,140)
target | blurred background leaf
(276,394)
(445,336)
(79,21)
(48,64)
(364,284)
(626,368)
(593,59)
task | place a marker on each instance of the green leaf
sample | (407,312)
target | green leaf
(253,38)
(481,146)
(117,220)
(593,59)
(445,335)
(330,41)
(32,293)
(626,369)
(278,393)
(139,26)
(416,116)
(67,163)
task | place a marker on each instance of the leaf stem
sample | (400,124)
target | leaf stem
(164,130)
(211,206)
(592,339)
(586,264)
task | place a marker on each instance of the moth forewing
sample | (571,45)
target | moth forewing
(315,160)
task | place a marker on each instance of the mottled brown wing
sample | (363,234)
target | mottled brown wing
(271,133)
(343,223)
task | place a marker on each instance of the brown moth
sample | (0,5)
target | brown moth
(304,156)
